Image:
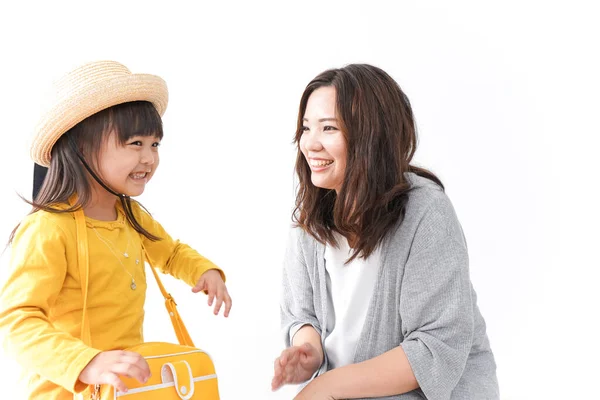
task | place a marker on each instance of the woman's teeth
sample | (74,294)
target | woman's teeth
(320,163)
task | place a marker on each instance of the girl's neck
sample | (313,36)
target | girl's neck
(101,206)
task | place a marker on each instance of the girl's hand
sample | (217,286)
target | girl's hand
(106,367)
(296,364)
(212,283)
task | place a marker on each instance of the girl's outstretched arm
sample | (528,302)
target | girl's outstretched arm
(171,256)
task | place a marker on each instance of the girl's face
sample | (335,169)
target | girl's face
(126,168)
(323,143)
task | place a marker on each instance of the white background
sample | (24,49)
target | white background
(506,101)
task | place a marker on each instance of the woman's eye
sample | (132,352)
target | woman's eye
(155,144)
(330,128)
(304,128)
(136,143)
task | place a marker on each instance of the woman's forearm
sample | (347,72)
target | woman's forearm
(385,375)
(308,334)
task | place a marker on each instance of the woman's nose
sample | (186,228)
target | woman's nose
(312,141)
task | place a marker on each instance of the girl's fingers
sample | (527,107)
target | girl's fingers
(113,380)
(227,304)
(136,359)
(200,286)
(211,295)
(131,371)
(219,302)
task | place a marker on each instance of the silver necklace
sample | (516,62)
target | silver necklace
(133,285)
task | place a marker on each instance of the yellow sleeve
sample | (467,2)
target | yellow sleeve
(171,256)
(28,291)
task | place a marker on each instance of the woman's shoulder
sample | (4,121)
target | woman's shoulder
(429,211)
(424,191)
(426,196)
(298,236)
(300,241)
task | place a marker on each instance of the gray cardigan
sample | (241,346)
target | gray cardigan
(423,301)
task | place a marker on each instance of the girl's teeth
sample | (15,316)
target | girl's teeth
(138,176)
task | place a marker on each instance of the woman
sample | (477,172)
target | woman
(377,299)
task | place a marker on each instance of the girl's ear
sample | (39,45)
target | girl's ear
(39,174)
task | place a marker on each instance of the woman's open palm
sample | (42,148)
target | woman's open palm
(296,364)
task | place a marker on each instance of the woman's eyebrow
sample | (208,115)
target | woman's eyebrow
(322,119)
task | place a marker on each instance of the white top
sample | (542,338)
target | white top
(349,291)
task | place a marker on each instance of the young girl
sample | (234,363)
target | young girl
(377,299)
(99,140)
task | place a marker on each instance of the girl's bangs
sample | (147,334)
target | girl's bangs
(138,118)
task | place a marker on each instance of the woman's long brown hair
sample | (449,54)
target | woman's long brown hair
(78,149)
(377,121)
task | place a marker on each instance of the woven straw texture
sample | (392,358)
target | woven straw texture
(87,90)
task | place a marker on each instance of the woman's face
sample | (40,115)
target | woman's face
(323,143)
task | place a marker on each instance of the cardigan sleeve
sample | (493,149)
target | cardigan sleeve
(297,302)
(435,303)
(28,291)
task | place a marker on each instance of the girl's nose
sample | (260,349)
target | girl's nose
(148,157)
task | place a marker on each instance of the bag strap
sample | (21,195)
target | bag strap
(181,331)
(84,269)
(83,263)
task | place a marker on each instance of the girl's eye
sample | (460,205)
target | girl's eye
(155,144)
(330,128)
(136,143)
(305,128)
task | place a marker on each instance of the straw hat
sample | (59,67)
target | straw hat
(87,90)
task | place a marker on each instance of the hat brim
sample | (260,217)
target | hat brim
(89,99)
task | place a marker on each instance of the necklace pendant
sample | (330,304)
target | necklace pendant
(126,255)
(133,285)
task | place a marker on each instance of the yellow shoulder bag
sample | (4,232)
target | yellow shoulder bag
(179,371)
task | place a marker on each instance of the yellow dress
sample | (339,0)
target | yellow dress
(41,301)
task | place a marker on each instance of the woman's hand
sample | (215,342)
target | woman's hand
(106,367)
(212,283)
(296,364)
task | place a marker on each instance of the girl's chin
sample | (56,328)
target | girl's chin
(130,191)
(134,193)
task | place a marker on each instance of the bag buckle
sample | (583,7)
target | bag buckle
(95,395)
(170,298)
